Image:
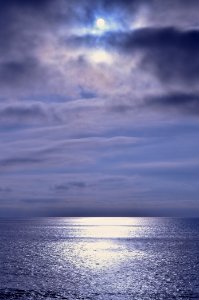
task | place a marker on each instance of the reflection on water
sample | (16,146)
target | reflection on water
(99,258)
(106,227)
(100,247)
(107,221)
(101,254)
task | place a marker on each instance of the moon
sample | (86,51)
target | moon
(101,24)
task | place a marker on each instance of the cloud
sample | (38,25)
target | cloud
(21,113)
(16,72)
(5,190)
(164,51)
(70,185)
(74,152)
(19,161)
(165,166)
(38,57)
(177,102)
(173,55)
(87,117)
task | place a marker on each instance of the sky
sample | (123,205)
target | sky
(99,108)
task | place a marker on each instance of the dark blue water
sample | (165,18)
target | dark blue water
(99,258)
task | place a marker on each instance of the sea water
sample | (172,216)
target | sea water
(99,258)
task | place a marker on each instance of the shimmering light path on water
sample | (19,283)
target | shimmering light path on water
(99,258)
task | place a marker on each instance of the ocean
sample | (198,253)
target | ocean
(99,258)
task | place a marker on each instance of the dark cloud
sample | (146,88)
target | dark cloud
(68,12)
(34,113)
(24,26)
(170,53)
(21,3)
(121,108)
(70,185)
(5,189)
(15,72)
(86,93)
(19,161)
(185,103)
(21,113)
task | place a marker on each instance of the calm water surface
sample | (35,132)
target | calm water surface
(99,258)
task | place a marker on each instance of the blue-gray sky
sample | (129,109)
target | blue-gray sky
(99,117)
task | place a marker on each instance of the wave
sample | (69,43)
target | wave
(18,294)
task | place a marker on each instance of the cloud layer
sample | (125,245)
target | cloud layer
(99,121)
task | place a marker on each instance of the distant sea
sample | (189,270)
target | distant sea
(99,258)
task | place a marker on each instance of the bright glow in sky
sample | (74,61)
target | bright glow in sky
(101,24)
(100,56)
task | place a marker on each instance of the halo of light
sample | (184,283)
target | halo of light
(101,23)
(100,56)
